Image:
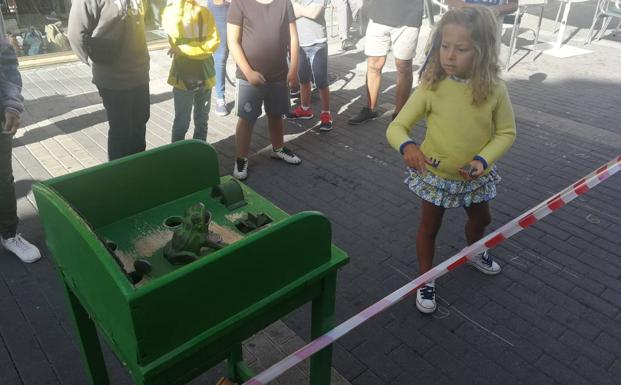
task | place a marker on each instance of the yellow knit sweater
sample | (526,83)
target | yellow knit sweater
(457,130)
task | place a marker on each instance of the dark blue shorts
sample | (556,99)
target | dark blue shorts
(314,65)
(250,99)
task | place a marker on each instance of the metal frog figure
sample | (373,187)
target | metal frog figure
(192,238)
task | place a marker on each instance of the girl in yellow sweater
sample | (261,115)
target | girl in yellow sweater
(470,125)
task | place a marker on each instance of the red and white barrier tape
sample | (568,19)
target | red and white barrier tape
(493,239)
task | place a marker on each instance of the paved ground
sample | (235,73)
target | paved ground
(552,317)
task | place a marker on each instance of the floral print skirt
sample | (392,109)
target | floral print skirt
(453,193)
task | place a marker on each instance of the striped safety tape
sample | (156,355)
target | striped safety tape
(493,239)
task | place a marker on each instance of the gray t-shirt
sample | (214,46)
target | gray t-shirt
(312,31)
(265,35)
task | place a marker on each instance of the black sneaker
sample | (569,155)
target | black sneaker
(348,44)
(364,115)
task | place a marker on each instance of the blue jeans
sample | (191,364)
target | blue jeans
(184,100)
(220,13)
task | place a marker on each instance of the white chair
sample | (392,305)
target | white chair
(605,10)
(523,6)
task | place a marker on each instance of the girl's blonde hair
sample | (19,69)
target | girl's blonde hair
(481,23)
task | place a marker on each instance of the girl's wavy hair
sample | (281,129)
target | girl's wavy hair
(481,23)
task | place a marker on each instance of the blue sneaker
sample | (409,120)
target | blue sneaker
(485,264)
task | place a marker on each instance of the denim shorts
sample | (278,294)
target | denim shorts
(250,99)
(314,64)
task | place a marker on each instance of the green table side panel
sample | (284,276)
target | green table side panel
(218,288)
(88,270)
(112,191)
(194,358)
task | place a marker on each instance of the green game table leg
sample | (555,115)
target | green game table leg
(322,320)
(89,341)
(238,371)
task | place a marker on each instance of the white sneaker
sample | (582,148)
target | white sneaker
(240,170)
(485,263)
(426,298)
(24,250)
(221,109)
(286,155)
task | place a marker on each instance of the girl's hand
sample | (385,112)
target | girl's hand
(292,78)
(475,171)
(414,158)
(255,78)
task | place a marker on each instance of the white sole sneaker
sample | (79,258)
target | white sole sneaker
(240,170)
(24,250)
(286,155)
(479,262)
(425,305)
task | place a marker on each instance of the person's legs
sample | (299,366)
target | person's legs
(243,133)
(8,205)
(374,79)
(324,97)
(479,217)
(128,113)
(276,105)
(248,102)
(276,130)
(13,242)
(141,111)
(182,100)
(356,6)
(376,49)
(319,66)
(430,222)
(305,94)
(342,9)
(404,83)
(404,41)
(202,104)
(156,8)
(118,111)
(220,13)
(305,76)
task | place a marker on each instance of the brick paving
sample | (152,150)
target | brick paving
(552,317)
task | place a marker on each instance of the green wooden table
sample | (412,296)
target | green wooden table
(180,321)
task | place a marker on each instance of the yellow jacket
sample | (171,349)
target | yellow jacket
(192,28)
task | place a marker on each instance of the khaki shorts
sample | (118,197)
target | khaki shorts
(380,38)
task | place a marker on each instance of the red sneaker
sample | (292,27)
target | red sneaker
(326,121)
(299,113)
